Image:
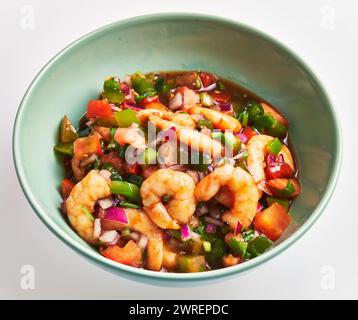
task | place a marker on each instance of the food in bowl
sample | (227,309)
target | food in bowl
(178,172)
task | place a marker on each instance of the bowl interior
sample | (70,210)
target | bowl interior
(174,42)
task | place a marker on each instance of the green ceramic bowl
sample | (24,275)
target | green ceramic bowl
(175,42)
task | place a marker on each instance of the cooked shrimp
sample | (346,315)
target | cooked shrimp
(169,259)
(184,98)
(143,115)
(139,221)
(226,198)
(84,196)
(176,185)
(242,187)
(193,138)
(256,149)
(183,119)
(220,120)
(132,135)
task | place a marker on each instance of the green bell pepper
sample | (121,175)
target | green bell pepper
(115,175)
(205,99)
(138,180)
(125,118)
(237,247)
(141,84)
(126,204)
(112,91)
(191,263)
(258,245)
(274,146)
(67,131)
(66,149)
(205,123)
(129,190)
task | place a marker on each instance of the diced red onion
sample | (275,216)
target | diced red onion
(242,137)
(270,159)
(203,209)
(185,232)
(225,107)
(166,236)
(142,242)
(131,105)
(97,229)
(210,228)
(116,214)
(115,108)
(105,174)
(90,122)
(238,228)
(259,207)
(179,167)
(125,88)
(210,168)
(208,88)
(92,158)
(262,186)
(134,235)
(109,237)
(105,203)
(177,101)
(215,212)
(213,221)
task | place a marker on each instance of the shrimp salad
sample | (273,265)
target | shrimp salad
(178,172)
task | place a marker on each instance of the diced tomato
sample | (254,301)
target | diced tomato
(220,97)
(246,134)
(130,254)
(144,102)
(273,221)
(132,168)
(99,109)
(207,79)
(67,185)
(284,188)
(86,146)
(103,133)
(114,160)
(277,169)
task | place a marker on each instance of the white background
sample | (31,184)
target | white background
(323,264)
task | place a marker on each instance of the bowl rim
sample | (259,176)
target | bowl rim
(154,275)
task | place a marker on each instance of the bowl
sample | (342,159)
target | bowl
(176,42)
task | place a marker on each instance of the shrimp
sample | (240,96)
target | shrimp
(83,197)
(179,187)
(139,221)
(256,149)
(193,138)
(132,135)
(220,120)
(183,119)
(242,187)
(184,98)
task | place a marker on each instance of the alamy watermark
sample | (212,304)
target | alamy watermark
(27,17)
(27,279)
